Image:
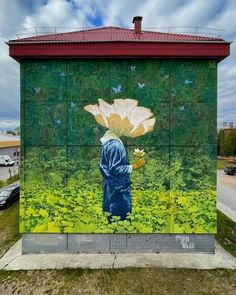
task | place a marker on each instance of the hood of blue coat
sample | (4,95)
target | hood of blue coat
(108,136)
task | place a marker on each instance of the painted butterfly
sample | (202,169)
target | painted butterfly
(72,104)
(62,74)
(57,121)
(141,85)
(187,81)
(37,89)
(117,89)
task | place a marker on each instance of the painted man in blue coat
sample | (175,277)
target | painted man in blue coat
(123,118)
(115,169)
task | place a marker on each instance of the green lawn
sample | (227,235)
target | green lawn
(9,228)
(226,233)
(128,281)
(9,180)
(222,163)
(123,281)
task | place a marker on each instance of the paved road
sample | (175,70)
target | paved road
(4,172)
(226,192)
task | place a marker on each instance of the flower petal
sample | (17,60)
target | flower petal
(101,120)
(94,110)
(149,124)
(139,114)
(115,124)
(124,106)
(127,126)
(105,108)
(138,131)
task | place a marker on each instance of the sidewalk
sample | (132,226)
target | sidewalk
(226,193)
(14,260)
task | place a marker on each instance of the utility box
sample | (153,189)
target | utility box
(118,140)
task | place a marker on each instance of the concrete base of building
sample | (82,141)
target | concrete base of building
(117,243)
(14,260)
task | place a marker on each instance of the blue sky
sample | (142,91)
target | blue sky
(16,14)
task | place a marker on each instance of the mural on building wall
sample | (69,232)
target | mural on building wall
(118,146)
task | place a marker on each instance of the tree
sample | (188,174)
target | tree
(227,143)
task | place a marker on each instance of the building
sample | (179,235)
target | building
(173,77)
(10,145)
(227,125)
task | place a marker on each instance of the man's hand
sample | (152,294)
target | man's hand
(138,164)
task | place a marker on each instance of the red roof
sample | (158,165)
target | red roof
(109,34)
(118,42)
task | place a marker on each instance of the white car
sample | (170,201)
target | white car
(5,160)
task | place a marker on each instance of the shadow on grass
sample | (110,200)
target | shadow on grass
(226,233)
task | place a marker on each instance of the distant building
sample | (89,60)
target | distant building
(10,145)
(17,130)
(224,124)
(231,124)
(227,125)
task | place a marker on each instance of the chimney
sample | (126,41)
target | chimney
(137,21)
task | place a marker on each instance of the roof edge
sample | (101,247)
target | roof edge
(121,41)
(118,49)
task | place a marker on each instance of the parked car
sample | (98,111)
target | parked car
(230,170)
(5,160)
(9,194)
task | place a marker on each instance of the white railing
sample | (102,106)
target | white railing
(194,31)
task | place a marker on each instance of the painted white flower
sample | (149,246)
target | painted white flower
(139,153)
(124,117)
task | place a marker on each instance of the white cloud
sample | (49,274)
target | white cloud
(8,124)
(82,13)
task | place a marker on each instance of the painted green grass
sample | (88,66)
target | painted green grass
(58,196)
(80,211)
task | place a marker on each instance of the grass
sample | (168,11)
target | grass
(121,281)
(9,180)
(222,163)
(9,228)
(226,233)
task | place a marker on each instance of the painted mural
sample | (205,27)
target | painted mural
(118,146)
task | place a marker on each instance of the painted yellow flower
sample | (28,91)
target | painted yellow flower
(124,117)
